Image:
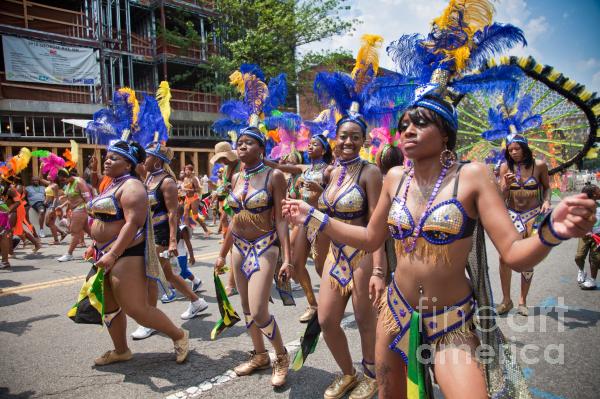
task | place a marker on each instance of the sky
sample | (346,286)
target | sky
(563,34)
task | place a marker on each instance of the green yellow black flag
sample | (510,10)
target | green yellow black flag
(228,315)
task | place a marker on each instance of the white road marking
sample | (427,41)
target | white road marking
(195,391)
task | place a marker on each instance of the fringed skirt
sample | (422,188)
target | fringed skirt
(440,327)
(345,259)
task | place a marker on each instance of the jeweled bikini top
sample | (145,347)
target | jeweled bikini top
(530,184)
(256,202)
(105,207)
(443,224)
(350,204)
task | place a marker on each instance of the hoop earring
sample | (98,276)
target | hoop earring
(156,167)
(447,158)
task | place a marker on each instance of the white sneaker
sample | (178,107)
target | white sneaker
(588,284)
(296,286)
(42,234)
(142,332)
(193,310)
(65,258)
(581,276)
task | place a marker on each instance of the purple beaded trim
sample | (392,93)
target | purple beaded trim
(248,173)
(417,231)
(344,165)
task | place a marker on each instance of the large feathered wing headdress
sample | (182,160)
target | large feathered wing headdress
(557,116)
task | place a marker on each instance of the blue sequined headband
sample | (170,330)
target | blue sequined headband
(126,154)
(156,152)
(516,138)
(323,141)
(354,119)
(435,106)
(254,133)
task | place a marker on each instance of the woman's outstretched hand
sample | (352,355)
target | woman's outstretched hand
(294,211)
(574,216)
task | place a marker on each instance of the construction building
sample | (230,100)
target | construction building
(134,43)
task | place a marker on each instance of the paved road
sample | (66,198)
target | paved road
(44,354)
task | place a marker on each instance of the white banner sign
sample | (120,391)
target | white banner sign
(44,62)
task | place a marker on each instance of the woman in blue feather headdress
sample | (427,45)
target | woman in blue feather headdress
(258,234)
(436,210)
(524,182)
(162,194)
(125,256)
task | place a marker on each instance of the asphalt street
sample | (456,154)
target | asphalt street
(44,354)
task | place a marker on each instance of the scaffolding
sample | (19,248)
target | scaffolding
(135,48)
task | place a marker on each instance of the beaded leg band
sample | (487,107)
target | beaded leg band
(368,368)
(270,329)
(109,317)
(527,276)
(248,319)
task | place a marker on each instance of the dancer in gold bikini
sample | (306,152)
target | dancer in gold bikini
(525,184)
(258,233)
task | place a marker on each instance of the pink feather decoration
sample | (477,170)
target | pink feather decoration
(51,164)
(383,136)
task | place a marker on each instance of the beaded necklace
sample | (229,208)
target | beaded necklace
(344,165)
(417,231)
(518,174)
(249,173)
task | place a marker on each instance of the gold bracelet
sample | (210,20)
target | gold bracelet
(113,255)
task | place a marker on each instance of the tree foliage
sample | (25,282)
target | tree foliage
(268,32)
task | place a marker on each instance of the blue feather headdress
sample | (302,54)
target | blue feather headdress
(439,64)
(151,125)
(109,124)
(257,101)
(509,120)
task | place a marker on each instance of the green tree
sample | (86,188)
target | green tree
(268,32)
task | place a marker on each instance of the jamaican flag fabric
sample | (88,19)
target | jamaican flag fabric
(308,342)
(89,308)
(228,315)
(415,376)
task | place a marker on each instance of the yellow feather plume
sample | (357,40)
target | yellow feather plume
(74,151)
(20,161)
(585,95)
(592,153)
(132,100)
(554,74)
(469,16)
(163,97)
(236,79)
(368,56)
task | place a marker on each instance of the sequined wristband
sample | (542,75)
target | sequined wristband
(317,220)
(547,235)
(309,216)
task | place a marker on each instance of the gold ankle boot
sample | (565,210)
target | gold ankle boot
(111,357)
(366,388)
(308,314)
(280,369)
(341,385)
(257,361)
